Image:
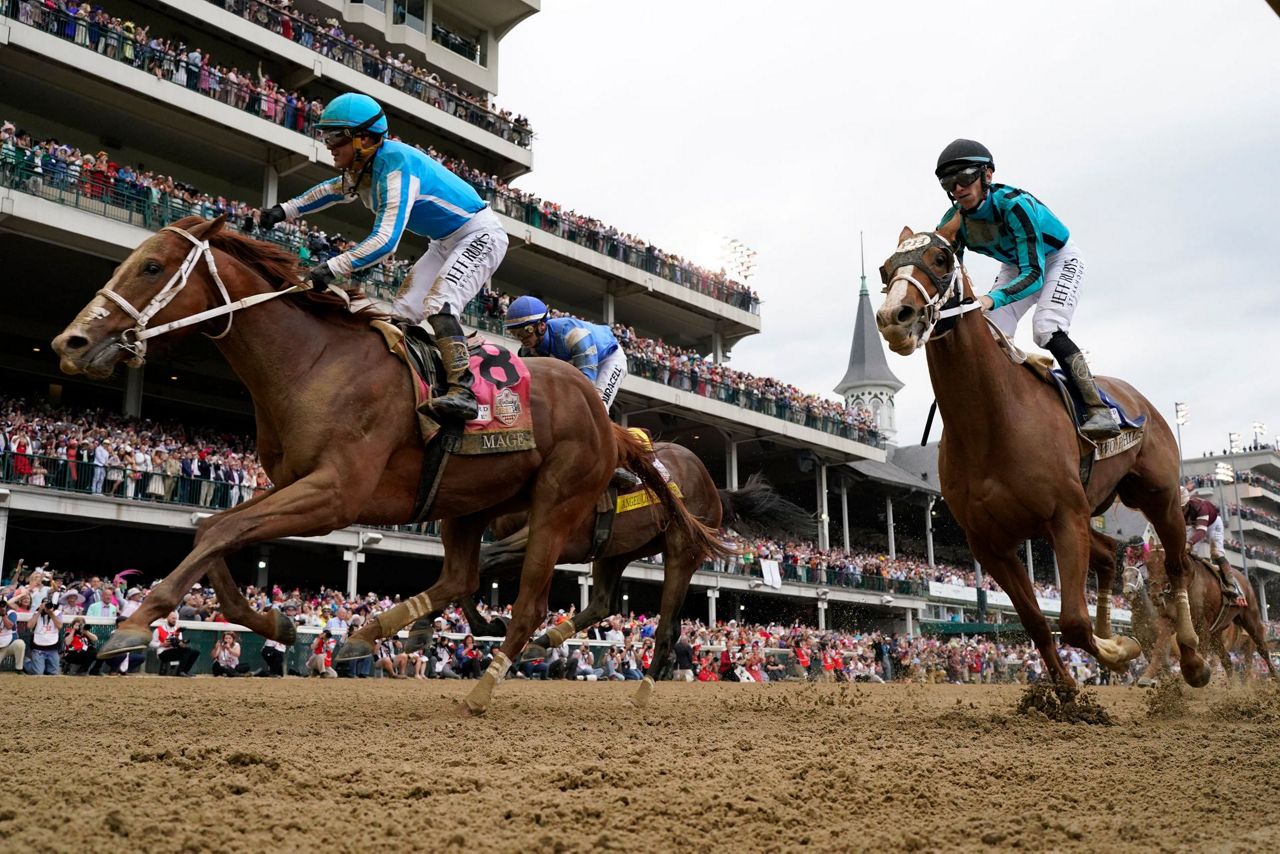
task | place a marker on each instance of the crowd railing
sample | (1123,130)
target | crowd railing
(830,577)
(414,83)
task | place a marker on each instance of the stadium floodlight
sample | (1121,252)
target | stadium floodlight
(1181,413)
(1259,428)
(1223,473)
(1233,441)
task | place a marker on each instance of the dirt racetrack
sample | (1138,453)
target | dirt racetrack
(163,764)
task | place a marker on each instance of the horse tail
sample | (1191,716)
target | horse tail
(757,510)
(637,456)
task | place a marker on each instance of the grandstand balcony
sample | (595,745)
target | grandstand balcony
(479,136)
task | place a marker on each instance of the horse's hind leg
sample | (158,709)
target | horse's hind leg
(681,564)
(1072,545)
(1102,560)
(605,575)
(270,624)
(1251,620)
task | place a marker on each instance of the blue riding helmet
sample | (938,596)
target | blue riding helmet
(524,311)
(353,113)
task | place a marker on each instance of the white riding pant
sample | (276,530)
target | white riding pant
(1214,544)
(1055,304)
(453,269)
(609,377)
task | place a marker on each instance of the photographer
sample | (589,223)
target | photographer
(80,644)
(226,656)
(12,646)
(46,632)
(171,648)
(273,653)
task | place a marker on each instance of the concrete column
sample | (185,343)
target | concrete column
(844,512)
(354,558)
(608,308)
(1031,563)
(928,532)
(822,615)
(1262,583)
(888,518)
(712,595)
(584,591)
(1057,576)
(911,622)
(824,517)
(977,573)
(4,526)
(623,420)
(270,186)
(133,392)
(731,464)
(717,347)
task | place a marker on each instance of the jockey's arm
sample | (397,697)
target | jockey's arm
(322,195)
(398,191)
(1030,248)
(582,351)
(1201,531)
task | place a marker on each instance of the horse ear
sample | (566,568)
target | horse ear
(950,229)
(208,228)
(906,232)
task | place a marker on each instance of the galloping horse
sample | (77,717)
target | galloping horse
(1214,618)
(337,431)
(754,510)
(1009,456)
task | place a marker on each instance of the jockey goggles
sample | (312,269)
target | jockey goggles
(964,177)
(333,137)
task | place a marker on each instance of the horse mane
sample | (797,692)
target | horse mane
(277,266)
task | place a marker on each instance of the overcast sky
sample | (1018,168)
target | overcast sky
(1152,129)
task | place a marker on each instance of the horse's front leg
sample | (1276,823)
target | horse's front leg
(1102,560)
(317,504)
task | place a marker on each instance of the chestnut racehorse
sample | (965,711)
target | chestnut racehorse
(755,510)
(337,431)
(1009,456)
(1220,630)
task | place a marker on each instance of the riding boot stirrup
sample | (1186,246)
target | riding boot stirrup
(625,479)
(1100,422)
(458,402)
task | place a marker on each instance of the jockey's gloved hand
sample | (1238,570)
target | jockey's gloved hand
(321,277)
(272,216)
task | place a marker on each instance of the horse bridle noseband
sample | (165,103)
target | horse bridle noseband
(134,339)
(947,301)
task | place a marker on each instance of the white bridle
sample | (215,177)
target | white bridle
(933,311)
(134,340)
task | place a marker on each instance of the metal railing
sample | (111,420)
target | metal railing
(375,65)
(822,577)
(776,407)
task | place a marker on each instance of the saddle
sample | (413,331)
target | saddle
(1133,428)
(500,382)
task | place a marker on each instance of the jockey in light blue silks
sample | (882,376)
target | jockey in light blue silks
(1040,265)
(589,347)
(407,190)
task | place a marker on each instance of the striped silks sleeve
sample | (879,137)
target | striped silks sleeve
(395,198)
(1030,252)
(319,197)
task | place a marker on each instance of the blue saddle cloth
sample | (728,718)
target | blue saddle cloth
(1123,417)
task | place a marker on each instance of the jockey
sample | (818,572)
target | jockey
(406,190)
(589,347)
(1041,266)
(1204,518)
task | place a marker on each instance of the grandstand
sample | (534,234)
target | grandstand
(230,131)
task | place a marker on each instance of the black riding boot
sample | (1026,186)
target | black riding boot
(457,402)
(1100,423)
(1230,587)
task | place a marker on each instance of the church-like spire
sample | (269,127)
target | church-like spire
(868,368)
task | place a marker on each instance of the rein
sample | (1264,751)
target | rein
(134,340)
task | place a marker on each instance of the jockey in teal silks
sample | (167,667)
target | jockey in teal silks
(407,190)
(589,347)
(1040,265)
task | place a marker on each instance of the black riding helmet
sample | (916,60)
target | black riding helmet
(961,153)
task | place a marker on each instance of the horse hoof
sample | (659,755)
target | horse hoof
(353,650)
(464,710)
(532,652)
(643,694)
(124,640)
(1146,683)
(286,631)
(1195,673)
(418,641)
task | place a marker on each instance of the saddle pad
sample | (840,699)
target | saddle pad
(1125,421)
(501,385)
(642,496)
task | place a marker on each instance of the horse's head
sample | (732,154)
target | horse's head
(924,283)
(148,286)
